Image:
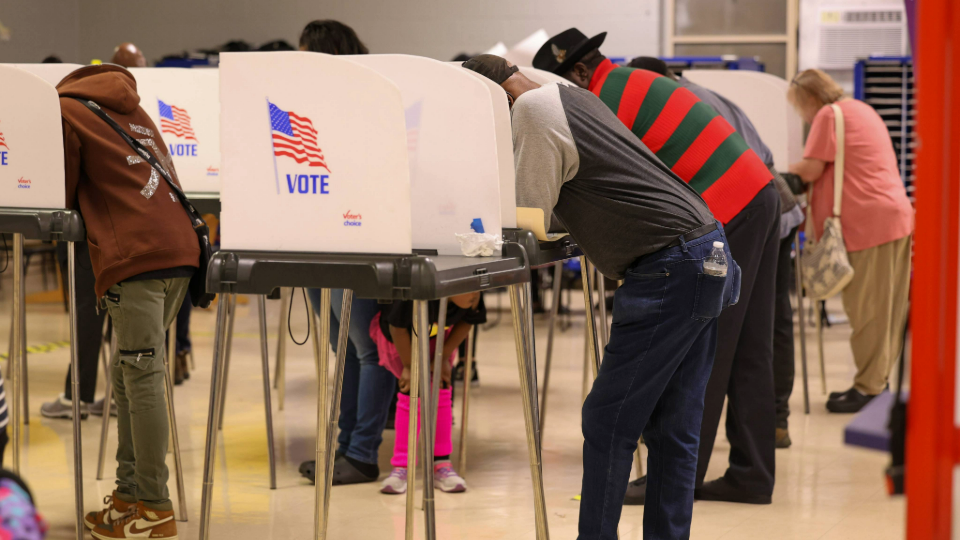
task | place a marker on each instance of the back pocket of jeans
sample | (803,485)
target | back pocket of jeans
(709,300)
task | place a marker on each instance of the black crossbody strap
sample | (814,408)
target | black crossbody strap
(147,156)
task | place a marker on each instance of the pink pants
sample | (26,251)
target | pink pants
(444,441)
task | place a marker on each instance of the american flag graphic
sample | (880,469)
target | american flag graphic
(294,137)
(176,121)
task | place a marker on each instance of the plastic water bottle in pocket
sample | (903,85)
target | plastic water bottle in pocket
(716,263)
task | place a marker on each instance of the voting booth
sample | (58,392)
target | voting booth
(452,144)
(295,168)
(32,199)
(52,73)
(763,98)
(185,105)
(316,192)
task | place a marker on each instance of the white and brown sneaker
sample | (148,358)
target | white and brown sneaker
(139,522)
(112,510)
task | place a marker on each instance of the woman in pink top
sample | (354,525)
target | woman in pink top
(877,221)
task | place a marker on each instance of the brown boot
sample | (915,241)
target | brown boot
(181,370)
(114,507)
(139,522)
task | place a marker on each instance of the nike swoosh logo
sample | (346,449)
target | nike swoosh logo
(133,528)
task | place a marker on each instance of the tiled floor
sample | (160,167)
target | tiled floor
(824,489)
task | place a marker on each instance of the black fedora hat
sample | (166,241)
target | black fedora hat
(565,49)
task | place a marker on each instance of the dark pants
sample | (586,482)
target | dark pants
(89,322)
(651,382)
(784,365)
(743,369)
(183,325)
(367,386)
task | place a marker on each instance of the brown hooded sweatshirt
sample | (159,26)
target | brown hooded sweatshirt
(134,222)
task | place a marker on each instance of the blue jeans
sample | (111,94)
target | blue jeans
(652,382)
(367,386)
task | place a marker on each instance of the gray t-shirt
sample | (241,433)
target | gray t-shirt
(734,115)
(576,160)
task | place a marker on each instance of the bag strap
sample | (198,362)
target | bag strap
(838,161)
(148,157)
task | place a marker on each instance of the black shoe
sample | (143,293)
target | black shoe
(308,469)
(345,472)
(460,368)
(850,401)
(837,395)
(722,490)
(636,492)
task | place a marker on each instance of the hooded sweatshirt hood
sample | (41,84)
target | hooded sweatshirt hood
(109,85)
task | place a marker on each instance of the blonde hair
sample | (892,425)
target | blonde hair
(814,84)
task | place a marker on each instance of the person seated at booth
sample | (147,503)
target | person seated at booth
(128,55)
(144,251)
(367,386)
(576,161)
(705,151)
(392,329)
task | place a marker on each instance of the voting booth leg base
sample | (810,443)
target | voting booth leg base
(465,409)
(818,317)
(430,379)
(267,405)
(24,371)
(107,400)
(334,418)
(212,416)
(231,319)
(174,435)
(803,325)
(416,350)
(552,323)
(75,388)
(522,338)
(279,381)
(586,273)
(14,360)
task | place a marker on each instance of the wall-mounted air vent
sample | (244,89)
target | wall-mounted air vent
(848,34)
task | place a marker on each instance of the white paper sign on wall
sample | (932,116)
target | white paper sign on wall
(185,105)
(313,155)
(455,176)
(31,142)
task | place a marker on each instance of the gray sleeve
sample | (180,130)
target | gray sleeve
(544,152)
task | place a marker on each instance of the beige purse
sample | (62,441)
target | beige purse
(826,268)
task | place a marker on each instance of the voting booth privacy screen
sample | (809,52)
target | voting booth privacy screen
(31,142)
(504,137)
(52,73)
(452,148)
(313,156)
(184,104)
(763,98)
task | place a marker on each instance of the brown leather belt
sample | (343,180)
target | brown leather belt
(694,234)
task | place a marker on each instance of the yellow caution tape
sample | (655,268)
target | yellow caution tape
(44,348)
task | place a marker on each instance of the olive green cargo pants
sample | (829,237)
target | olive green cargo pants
(141,312)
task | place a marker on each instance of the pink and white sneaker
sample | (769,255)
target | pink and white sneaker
(446,479)
(396,483)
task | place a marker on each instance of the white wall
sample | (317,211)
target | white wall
(39,28)
(435,28)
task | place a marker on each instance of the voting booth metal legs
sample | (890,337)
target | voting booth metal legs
(267,404)
(801,314)
(74,385)
(465,408)
(14,361)
(105,425)
(552,323)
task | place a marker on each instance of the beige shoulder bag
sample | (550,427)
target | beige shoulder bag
(826,268)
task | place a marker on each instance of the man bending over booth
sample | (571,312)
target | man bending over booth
(705,151)
(638,222)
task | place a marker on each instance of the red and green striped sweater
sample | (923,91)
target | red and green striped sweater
(686,134)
